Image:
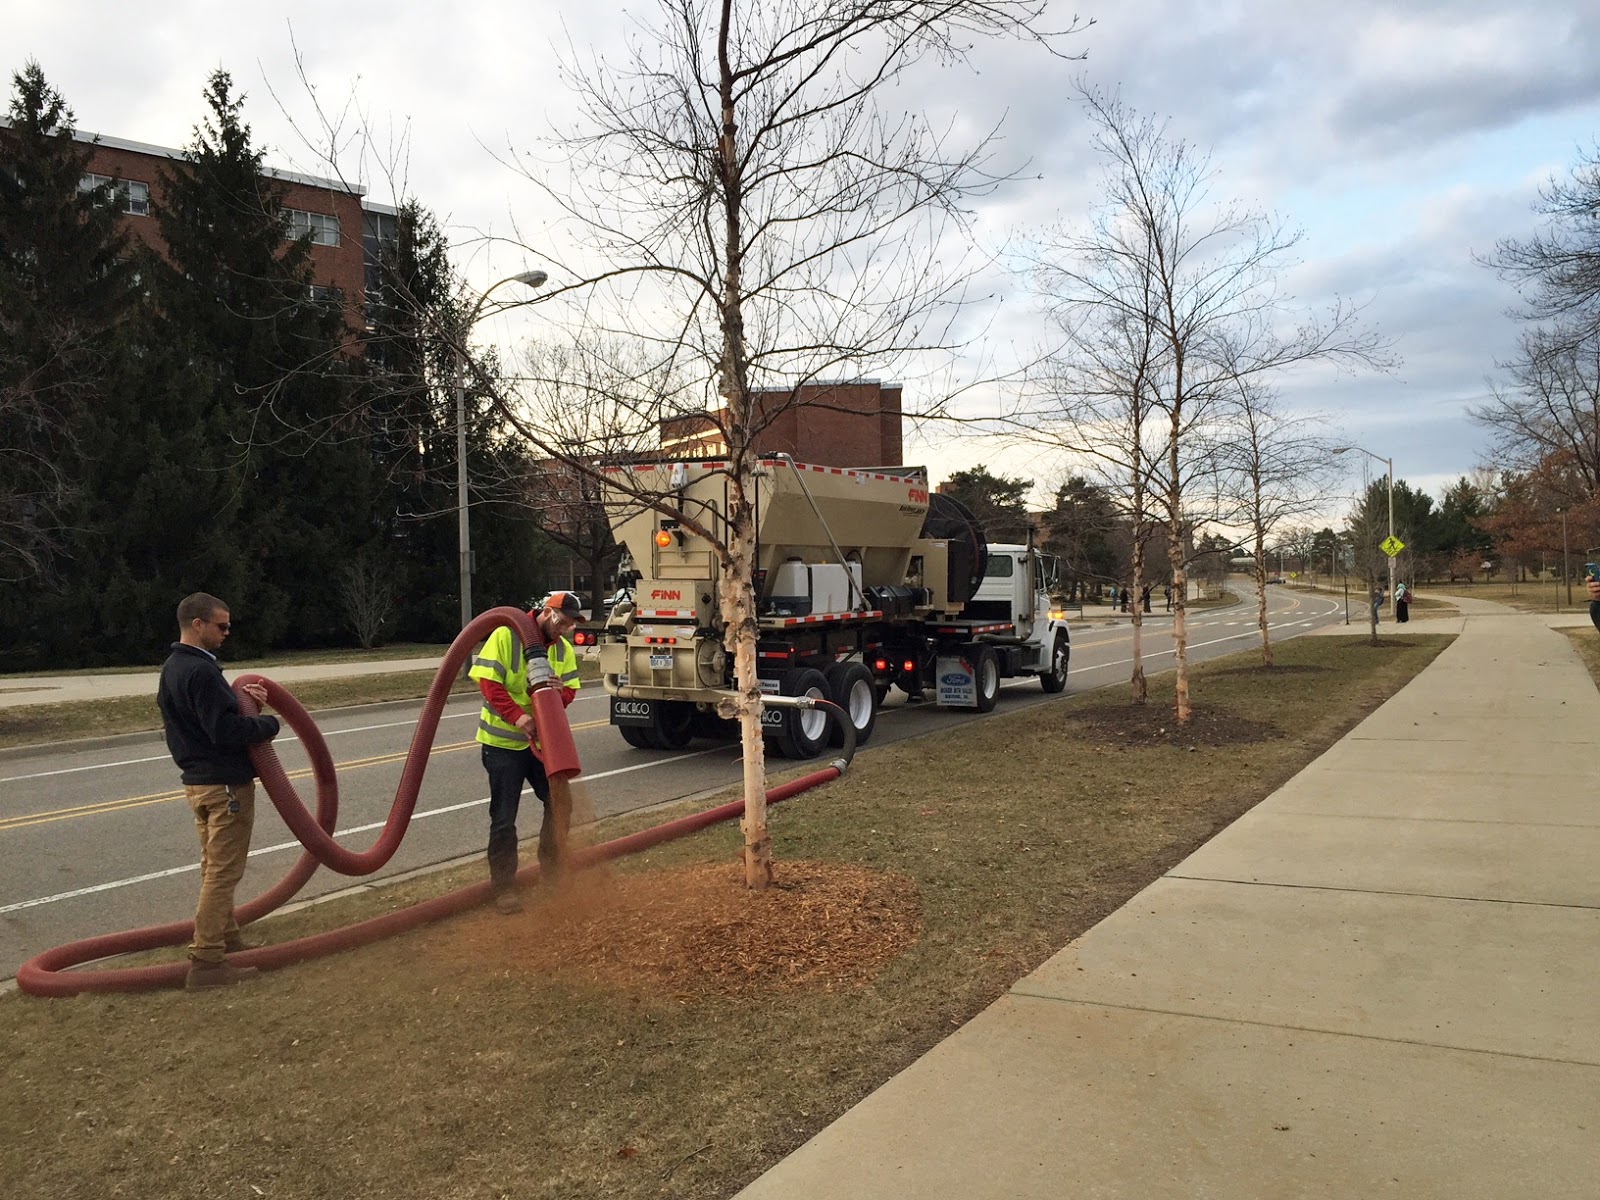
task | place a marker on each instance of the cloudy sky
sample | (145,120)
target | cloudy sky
(1403,137)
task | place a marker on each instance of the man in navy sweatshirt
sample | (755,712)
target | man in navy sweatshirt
(208,738)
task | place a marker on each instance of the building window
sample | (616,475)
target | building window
(133,197)
(324,294)
(324,230)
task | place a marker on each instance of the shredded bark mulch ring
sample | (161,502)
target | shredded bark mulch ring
(698,930)
(1154,725)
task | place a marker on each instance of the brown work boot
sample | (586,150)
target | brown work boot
(204,975)
(508,903)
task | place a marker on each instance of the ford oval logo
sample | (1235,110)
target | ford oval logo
(955,680)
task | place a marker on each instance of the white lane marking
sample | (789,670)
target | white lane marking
(333,733)
(295,845)
(1232,637)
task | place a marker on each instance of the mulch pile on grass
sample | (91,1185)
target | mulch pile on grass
(698,931)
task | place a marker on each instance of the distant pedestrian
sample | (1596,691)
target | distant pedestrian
(208,738)
(1144,597)
(1402,603)
(1593,585)
(1377,601)
(1127,599)
(1167,591)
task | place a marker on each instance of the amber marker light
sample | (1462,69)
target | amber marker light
(663,538)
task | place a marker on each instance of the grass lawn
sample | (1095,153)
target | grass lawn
(1588,647)
(652,1029)
(1540,596)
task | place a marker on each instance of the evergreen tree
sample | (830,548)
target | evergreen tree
(410,385)
(236,294)
(64,285)
(1080,530)
(999,503)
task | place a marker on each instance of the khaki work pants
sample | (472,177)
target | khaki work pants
(223,817)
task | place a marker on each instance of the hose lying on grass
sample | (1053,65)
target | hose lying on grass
(49,974)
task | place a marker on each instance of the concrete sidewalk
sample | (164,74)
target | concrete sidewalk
(1382,981)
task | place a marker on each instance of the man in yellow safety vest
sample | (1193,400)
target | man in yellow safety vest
(506,677)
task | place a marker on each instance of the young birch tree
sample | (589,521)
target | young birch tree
(1093,403)
(1204,277)
(1282,468)
(748,198)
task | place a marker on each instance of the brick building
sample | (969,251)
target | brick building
(845,424)
(346,229)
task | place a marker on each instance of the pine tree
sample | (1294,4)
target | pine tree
(410,376)
(237,295)
(64,285)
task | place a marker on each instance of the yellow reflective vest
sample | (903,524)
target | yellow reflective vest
(501,660)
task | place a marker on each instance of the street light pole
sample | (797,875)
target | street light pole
(531,279)
(1566,573)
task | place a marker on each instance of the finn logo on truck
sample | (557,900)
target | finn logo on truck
(664,594)
(630,712)
(918,495)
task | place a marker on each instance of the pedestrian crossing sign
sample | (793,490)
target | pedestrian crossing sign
(1391,545)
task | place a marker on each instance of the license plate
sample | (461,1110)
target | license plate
(661,662)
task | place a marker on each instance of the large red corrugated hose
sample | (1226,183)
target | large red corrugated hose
(49,974)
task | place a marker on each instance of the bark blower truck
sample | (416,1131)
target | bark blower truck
(865,582)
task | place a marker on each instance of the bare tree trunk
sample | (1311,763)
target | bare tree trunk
(1141,688)
(1261,595)
(1180,631)
(1372,607)
(740,642)
(1175,555)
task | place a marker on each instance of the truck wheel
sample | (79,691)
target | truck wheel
(635,736)
(803,734)
(673,726)
(986,675)
(1055,679)
(850,686)
(708,725)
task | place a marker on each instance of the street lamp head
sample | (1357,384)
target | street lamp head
(1341,449)
(531,279)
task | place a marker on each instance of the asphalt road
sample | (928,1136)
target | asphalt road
(98,839)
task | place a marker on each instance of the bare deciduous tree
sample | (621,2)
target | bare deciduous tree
(370,597)
(1200,282)
(747,205)
(1281,468)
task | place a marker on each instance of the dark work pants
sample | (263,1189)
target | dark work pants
(508,771)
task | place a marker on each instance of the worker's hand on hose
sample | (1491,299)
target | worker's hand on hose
(525,725)
(256,692)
